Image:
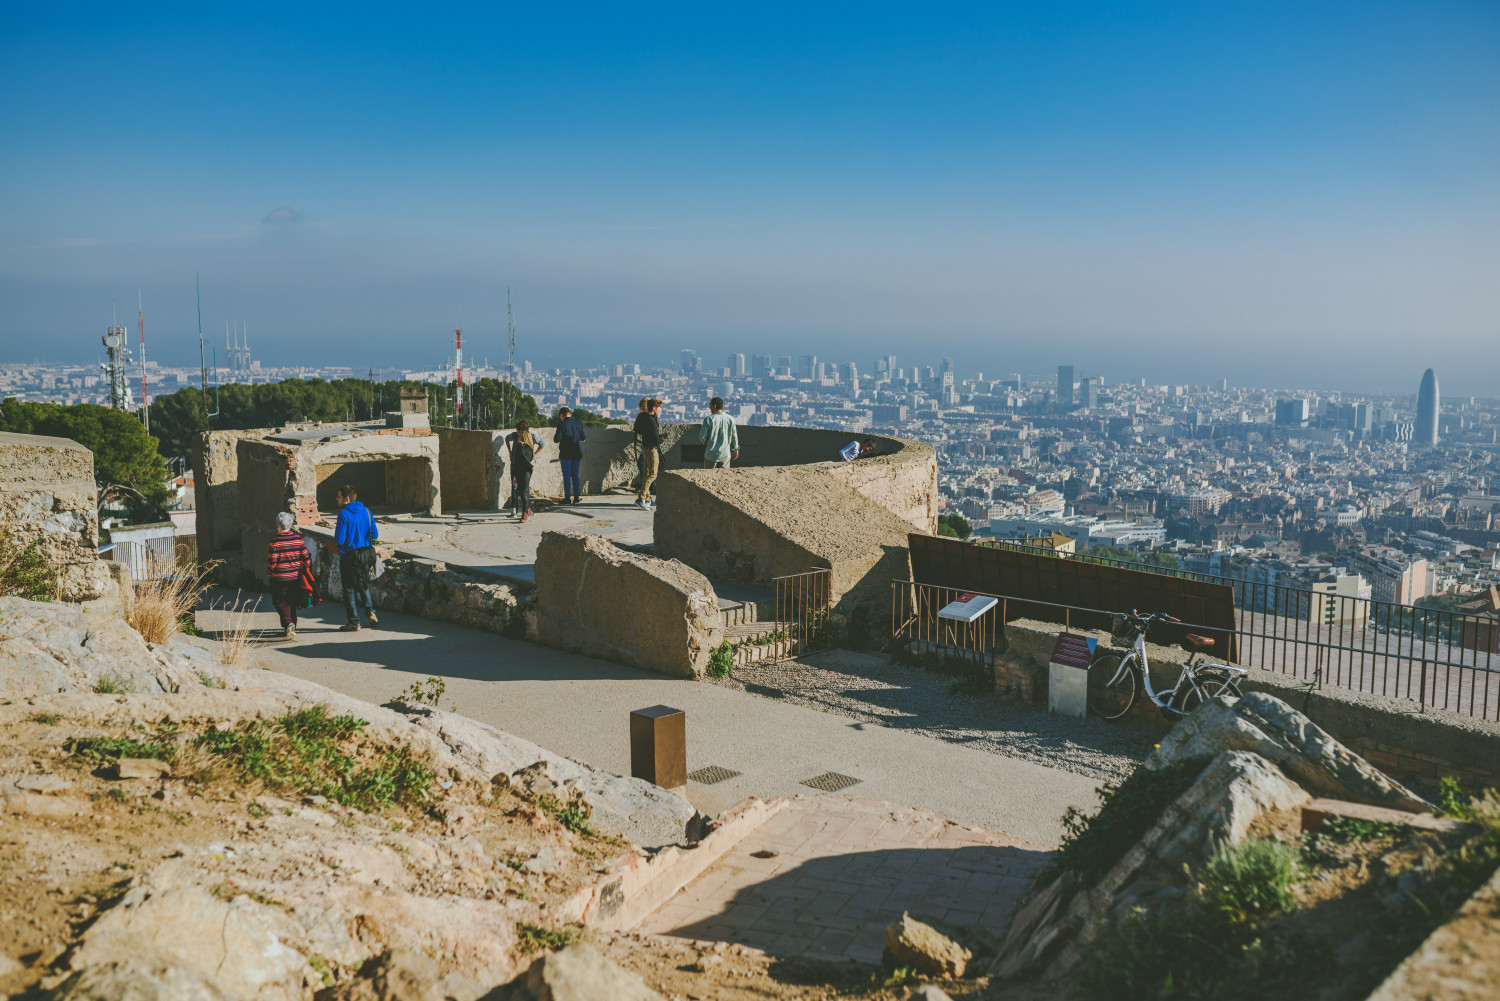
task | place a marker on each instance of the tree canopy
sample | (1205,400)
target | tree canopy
(177,417)
(955,526)
(124,454)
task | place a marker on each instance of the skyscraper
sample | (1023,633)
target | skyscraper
(737,365)
(1427,410)
(1065,385)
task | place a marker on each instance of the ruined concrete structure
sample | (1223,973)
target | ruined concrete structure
(47,495)
(599,599)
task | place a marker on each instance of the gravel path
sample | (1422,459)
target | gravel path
(871,689)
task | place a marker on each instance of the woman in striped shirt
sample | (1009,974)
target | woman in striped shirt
(285,559)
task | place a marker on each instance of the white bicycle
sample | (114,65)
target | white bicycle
(1114,677)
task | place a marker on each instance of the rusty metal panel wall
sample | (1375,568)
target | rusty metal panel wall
(1066,581)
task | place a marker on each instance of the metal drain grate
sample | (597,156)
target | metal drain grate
(831,782)
(712,774)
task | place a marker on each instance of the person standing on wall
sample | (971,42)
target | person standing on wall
(648,435)
(569,437)
(720,438)
(355,536)
(287,564)
(523,451)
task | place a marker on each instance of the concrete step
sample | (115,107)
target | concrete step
(740,603)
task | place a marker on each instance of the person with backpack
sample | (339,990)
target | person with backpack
(523,452)
(569,437)
(355,535)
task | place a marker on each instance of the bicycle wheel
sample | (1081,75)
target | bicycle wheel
(1111,690)
(1211,684)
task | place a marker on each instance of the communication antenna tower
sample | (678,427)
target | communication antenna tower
(117,360)
(507,390)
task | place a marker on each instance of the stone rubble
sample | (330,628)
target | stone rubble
(919,945)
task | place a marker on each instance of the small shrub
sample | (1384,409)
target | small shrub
(1252,878)
(1093,844)
(209,681)
(46,719)
(235,646)
(535,938)
(721,661)
(1452,800)
(24,572)
(255,810)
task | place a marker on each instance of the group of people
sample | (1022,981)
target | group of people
(289,564)
(289,558)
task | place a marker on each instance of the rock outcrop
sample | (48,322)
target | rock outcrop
(599,599)
(575,973)
(262,897)
(1254,757)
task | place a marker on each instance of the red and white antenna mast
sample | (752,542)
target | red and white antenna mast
(458,374)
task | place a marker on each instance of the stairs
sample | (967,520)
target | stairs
(741,607)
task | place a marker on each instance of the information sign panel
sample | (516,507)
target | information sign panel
(967,607)
(1068,675)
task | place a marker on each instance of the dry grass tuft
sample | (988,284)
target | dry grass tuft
(235,646)
(164,601)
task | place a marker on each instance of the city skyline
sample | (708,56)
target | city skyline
(1172,194)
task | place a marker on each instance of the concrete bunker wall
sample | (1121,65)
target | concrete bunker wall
(469,463)
(294,476)
(47,496)
(216,488)
(753,525)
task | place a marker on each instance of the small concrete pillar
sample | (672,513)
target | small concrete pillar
(658,746)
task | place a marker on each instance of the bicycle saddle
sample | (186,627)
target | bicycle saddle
(1199,641)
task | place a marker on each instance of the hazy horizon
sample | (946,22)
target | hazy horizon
(1268,193)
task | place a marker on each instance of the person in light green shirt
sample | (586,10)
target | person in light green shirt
(721,439)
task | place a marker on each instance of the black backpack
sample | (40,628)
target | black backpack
(521,455)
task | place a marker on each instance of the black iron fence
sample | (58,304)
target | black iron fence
(801,603)
(1433,657)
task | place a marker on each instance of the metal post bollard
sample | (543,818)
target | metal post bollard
(658,746)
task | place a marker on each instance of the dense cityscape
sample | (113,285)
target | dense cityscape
(1389,497)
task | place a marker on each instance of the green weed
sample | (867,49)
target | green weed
(303,751)
(255,810)
(104,749)
(321,968)
(721,661)
(209,681)
(1252,878)
(46,719)
(535,938)
(24,572)
(1350,830)
(111,684)
(422,693)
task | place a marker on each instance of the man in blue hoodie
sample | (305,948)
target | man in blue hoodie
(355,535)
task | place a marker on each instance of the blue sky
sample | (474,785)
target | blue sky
(1287,194)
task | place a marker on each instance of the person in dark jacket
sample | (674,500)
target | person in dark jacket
(648,437)
(355,536)
(569,437)
(523,448)
(286,565)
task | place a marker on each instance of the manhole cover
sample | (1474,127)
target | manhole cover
(712,774)
(831,781)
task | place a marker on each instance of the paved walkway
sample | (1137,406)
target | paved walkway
(580,707)
(498,543)
(825,876)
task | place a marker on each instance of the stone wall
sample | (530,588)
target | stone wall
(755,524)
(599,599)
(1391,733)
(470,463)
(434,590)
(47,494)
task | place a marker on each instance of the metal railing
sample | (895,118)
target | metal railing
(1432,657)
(801,602)
(917,629)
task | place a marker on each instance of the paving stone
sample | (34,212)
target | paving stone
(846,868)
